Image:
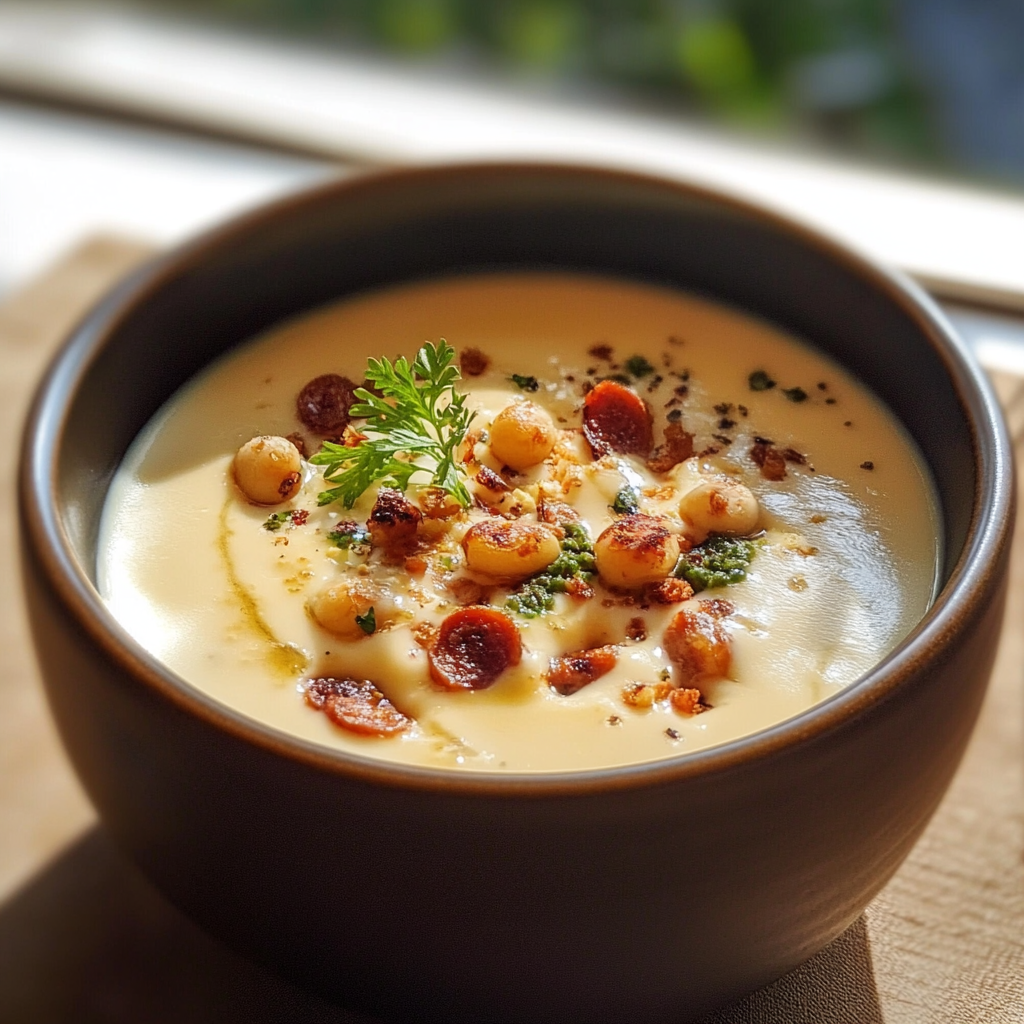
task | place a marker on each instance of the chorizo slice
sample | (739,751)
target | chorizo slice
(617,419)
(568,673)
(698,644)
(324,402)
(356,705)
(473,647)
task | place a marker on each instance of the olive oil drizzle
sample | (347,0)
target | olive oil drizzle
(285,659)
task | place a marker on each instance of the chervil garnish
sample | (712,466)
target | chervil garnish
(414,427)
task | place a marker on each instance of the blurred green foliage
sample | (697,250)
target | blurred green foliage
(829,69)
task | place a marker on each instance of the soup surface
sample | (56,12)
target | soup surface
(298,615)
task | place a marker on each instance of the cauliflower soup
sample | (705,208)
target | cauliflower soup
(521,522)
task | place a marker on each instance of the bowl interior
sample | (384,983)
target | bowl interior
(348,238)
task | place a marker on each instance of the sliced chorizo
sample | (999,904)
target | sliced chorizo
(324,402)
(617,419)
(473,647)
(356,705)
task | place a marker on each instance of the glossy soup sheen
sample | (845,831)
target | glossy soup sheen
(845,560)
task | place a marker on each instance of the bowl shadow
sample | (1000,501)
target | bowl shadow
(88,939)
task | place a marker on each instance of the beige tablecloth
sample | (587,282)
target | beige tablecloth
(84,938)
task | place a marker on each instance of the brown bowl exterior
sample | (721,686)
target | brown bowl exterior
(646,893)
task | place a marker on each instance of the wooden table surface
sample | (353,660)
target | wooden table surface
(83,937)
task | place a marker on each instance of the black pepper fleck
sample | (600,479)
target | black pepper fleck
(822,386)
(726,424)
(830,401)
(848,423)
(672,734)
(721,437)
(867,465)
(675,415)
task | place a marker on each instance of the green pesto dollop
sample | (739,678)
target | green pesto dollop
(574,562)
(627,501)
(718,562)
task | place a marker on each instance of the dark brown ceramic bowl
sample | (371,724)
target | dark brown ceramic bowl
(643,893)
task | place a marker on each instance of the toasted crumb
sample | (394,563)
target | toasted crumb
(638,695)
(669,591)
(686,701)
(424,633)
(636,630)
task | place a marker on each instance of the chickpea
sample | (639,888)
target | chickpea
(635,550)
(336,606)
(268,470)
(720,505)
(522,435)
(509,551)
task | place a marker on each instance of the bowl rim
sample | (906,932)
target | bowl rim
(964,594)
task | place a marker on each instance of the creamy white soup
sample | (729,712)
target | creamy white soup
(667,525)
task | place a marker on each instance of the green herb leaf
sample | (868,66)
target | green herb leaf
(524,383)
(760,381)
(718,562)
(627,502)
(275,521)
(795,394)
(368,622)
(638,366)
(349,535)
(295,516)
(576,562)
(418,415)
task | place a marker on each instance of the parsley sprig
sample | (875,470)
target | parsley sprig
(419,416)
